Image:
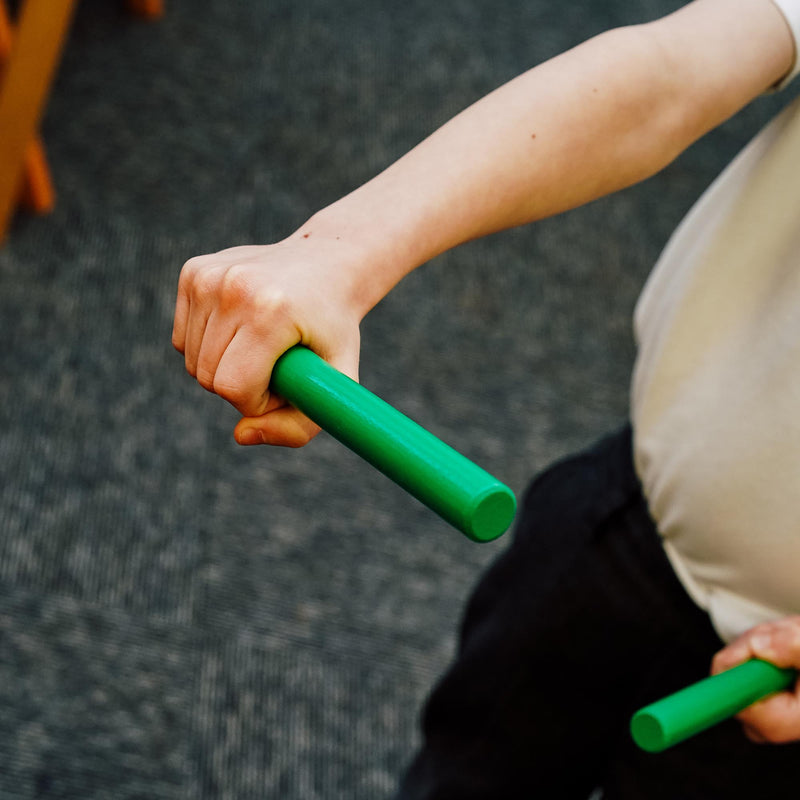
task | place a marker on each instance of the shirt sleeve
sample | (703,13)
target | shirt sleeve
(791,12)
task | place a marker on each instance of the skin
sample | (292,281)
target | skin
(596,119)
(776,719)
(589,122)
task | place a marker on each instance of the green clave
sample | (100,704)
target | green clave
(468,497)
(697,707)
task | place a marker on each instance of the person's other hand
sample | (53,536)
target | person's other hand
(776,719)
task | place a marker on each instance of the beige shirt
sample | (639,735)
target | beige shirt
(716,387)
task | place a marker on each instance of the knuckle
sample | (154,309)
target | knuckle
(236,286)
(273,304)
(785,642)
(191,264)
(188,268)
(264,304)
(188,273)
(790,627)
(271,311)
(204,285)
(765,629)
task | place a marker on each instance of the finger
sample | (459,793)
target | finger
(285,427)
(180,319)
(244,369)
(778,642)
(202,291)
(779,639)
(753,735)
(775,719)
(733,654)
(183,301)
(195,331)
(217,336)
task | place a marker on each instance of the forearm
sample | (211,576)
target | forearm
(589,122)
(596,119)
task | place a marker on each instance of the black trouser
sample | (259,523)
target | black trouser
(580,622)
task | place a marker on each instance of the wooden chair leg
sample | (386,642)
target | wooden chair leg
(35,191)
(6,36)
(38,194)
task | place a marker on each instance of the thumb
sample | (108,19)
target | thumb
(284,426)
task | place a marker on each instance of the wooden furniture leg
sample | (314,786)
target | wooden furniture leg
(29,70)
(37,193)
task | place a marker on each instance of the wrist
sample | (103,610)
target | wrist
(368,254)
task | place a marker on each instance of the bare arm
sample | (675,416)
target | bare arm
(589,122)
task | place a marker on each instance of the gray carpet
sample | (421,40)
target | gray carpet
(184,618)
